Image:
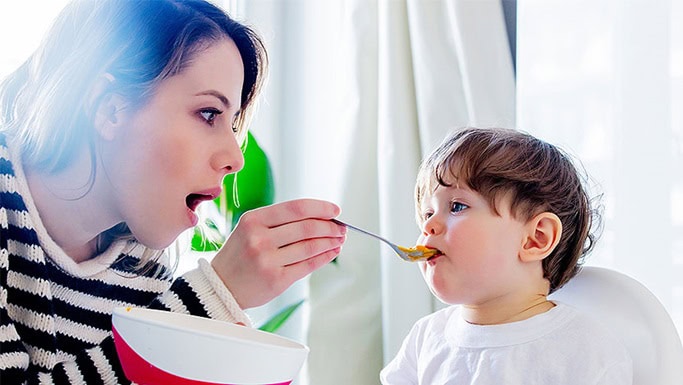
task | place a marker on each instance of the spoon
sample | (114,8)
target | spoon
(410,254)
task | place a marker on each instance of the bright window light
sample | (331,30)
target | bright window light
(22,26)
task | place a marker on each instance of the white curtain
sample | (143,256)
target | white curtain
(605,80)
(359,92)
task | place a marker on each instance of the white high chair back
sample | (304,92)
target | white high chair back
(628,308)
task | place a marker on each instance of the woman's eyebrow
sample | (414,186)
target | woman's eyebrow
(217,95)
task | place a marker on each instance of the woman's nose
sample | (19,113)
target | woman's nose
(228,157)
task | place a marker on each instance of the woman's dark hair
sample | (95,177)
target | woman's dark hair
(44,104)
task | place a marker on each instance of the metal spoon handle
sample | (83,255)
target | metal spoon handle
(337,221)
(402,254)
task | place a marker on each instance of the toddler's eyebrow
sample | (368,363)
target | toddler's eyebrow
(457,187)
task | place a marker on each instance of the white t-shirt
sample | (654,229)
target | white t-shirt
(560,346)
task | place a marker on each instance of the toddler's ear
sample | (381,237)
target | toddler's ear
(107,106)
(543,234)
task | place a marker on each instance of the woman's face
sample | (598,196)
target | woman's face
(480,260)
(171,154)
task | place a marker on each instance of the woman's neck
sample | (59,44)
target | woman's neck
(72,207)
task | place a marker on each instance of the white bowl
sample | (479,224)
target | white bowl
(158,347)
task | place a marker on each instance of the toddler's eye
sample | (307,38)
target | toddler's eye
(210,115)
(457,207)
(426,215)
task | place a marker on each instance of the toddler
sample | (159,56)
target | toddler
(512,222)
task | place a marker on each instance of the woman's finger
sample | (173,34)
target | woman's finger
(306,249)
(305,229)
(300,269)
(295,210)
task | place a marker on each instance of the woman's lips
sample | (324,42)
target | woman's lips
(193,200)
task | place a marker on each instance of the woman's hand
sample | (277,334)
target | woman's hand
(272,247)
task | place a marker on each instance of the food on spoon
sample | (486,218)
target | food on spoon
(419,252)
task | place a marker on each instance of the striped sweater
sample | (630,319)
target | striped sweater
(55,314)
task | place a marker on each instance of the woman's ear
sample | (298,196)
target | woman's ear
(543,234)
(107,107)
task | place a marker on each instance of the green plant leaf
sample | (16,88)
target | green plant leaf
(275,322)
(255,183)
(207,237)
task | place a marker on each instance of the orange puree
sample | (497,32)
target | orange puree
(419,252)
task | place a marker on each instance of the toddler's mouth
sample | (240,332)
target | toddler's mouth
(435,256)
(419,252)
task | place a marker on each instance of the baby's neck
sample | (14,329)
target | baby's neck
(507,310)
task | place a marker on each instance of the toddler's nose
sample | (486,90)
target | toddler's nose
(432,226)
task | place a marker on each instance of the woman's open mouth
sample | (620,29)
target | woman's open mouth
(194,199)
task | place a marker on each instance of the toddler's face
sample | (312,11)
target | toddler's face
(480,247)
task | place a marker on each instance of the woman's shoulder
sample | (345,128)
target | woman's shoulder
(10,197)
(6,161)
(5,156)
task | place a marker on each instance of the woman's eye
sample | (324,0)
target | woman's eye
(457,207)
(210,115)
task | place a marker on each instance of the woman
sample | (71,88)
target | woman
(127,117)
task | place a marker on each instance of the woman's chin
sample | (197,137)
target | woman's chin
(158,241)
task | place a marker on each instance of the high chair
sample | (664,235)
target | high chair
(635,315)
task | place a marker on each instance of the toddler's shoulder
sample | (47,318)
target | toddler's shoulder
(593,337)
(437,320)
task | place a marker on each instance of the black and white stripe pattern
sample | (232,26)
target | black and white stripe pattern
(55,323)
